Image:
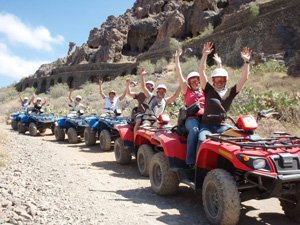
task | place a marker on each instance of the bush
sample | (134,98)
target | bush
(59,90)
(269,67)
(192,64)
(160,65)
(254,10)
(285,103)
(147,65)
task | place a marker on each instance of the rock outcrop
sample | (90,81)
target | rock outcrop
(270,28)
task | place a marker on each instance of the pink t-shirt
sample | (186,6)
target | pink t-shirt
(190,97)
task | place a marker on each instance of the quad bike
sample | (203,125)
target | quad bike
(103,128)
(235,166)
(143,147)
(35,121)
(73,125)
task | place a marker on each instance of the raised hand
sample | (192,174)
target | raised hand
(143,72)
(217,59)
(178,53)
(128,82)
(100,82)
(207,48)
(246,54)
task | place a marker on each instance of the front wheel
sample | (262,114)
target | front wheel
(220,196)
(14,125)
(122,156)
(291,208)
(89,136)
(32,129)
(163,180)
(21,128)
(72,135)
(105,140)
(59,133)
(144,155)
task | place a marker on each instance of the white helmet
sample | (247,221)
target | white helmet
(162,86)
(193,74)
(25,98)
(79,97)
(150,82)
(39,99)
(219,72)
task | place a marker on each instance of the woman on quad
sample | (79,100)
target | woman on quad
(218,90)
(192,94)
(25,103)
(156,104)
(75,104)
(38,104)
(111,101)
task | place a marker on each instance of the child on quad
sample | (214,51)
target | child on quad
(219,91)
(25,103)
(75,105)
(157,103)
(111,101)
(192,95)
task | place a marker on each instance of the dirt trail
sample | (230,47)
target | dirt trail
(48,182)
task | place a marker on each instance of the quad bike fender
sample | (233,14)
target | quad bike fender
(61,122)
(173,144)
(125,132)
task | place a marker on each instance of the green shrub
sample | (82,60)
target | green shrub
(285,103)
(192,64)
(59,90)
(269,67)
(254,10)
(147,65)
(160,65)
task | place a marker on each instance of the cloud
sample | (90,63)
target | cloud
(14,66)
(18,32)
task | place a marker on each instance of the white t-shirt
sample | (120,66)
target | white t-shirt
(111,105)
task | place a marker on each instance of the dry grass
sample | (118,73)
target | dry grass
(3,151)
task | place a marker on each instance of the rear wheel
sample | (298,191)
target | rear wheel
(291,208)
(89,136)
(72,135)
(59,134)
(221,198)
(21,128)
(144,155)
(14,125)
(105,140)
(163,180)
(33,129)
(122,156)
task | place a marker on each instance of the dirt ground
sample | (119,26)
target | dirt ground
(50,182)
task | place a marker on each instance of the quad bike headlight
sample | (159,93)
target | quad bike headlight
(259,163)
(254,162)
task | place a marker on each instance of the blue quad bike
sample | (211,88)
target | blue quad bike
(103,128)
(73,125)
(15,118)
(35,122)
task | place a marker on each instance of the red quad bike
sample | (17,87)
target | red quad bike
(143,148)
(235,166)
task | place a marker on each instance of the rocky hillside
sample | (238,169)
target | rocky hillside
(147,30)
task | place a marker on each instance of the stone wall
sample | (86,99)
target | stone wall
(77,75)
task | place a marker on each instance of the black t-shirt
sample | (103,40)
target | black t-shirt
(140,97)
(209,108)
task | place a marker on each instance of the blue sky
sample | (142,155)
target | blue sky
(33,32)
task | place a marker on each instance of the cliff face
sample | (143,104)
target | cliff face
(270,27)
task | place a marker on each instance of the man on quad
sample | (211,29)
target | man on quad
(111,101)
(156,104)
(38,104)
(192,94)
(75,105)
(25,102)
(218,90)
